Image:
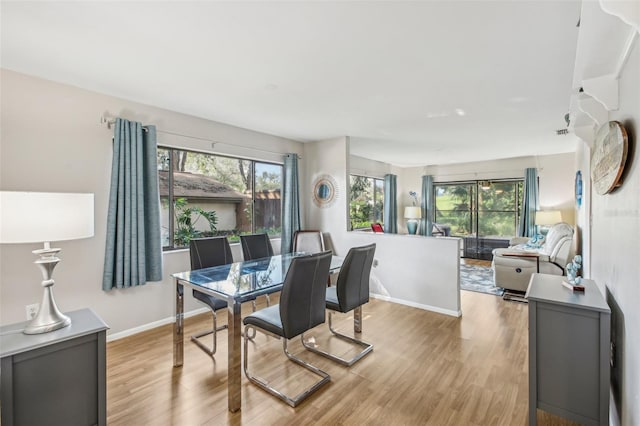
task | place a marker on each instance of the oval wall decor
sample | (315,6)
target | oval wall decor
(578,188)
(325,191)
(608,157)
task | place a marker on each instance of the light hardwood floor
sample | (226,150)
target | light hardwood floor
(426,369)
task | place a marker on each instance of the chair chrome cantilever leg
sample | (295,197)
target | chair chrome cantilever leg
(346,362)
(254,308)
(263,384)
(211,351)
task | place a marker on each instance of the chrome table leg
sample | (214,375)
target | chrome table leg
(178,327)
(234,351)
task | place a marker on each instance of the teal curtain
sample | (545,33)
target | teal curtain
(426,224)
(133,252)
(290,203)
(390,204)
(527,225)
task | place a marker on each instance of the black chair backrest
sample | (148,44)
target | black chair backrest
(302,299)
(208,252)
(255,246)
(352,287)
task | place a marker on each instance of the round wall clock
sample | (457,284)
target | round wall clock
(608,157)
(325,191)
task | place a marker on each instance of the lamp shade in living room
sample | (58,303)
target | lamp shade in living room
(36,217)
(548,217)
(43,217)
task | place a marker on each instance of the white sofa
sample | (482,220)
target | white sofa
(512,270)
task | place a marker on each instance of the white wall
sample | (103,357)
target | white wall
(615,251)
(366,167)
(52,140)
(413,270)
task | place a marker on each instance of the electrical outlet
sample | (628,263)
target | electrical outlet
(32,310)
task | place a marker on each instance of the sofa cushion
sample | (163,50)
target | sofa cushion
(556,234)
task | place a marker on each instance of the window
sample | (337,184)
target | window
(479,208)
(209,195)
(366,205)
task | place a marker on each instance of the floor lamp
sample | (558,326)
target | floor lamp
(39,217)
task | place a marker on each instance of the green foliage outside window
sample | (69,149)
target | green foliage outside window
(366,204)
(479,208)
(186,219)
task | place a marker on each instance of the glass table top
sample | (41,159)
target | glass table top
(245,280)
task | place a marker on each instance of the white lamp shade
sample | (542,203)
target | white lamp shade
(412,212)
(548,217)
(37,217)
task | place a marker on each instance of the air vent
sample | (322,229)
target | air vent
(562,132)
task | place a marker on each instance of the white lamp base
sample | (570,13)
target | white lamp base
(49,317)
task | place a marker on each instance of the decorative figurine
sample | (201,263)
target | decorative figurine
(572,271)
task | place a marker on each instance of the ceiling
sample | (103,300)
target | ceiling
(412,83)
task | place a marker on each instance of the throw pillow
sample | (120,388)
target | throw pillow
(536,241)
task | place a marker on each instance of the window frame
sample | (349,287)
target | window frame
(474,202)
(375,192)
(171,195)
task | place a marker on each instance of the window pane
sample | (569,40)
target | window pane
(496,224)
(267,205)
(378,215)
(212,195)
(497,209)
(454,204)
(366,205)
(163,181)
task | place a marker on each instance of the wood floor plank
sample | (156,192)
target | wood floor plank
(426,368)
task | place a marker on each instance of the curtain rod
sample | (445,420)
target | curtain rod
(483,173)
(111,121)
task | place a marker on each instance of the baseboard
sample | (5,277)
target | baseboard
(417,305)
(154,324)
(171,319)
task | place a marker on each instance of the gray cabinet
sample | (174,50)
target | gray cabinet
(56,378)
(568,351)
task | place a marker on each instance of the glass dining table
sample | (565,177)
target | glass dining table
(236,283)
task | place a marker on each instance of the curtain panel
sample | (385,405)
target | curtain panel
(426,224)
(527,225)
(290,203)
(133,252)
(390,204)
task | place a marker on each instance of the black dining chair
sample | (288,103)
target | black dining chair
(256,246)
(301,307)
(350,293)
(206,253)
(309,241)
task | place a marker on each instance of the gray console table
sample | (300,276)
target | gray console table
(56,378)
(568,351)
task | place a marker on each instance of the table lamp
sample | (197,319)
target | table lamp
(39,217)
(546,219)
(413,214)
